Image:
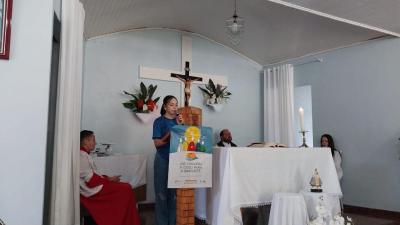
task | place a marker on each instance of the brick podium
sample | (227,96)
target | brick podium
(185,196)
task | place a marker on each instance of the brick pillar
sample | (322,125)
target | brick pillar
(191,115)
(185,196)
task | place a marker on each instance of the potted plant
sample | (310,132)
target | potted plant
(142,102)
(215,95)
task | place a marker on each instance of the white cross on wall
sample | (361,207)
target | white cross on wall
(162,74)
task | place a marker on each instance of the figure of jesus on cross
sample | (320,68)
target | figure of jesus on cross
(187,80)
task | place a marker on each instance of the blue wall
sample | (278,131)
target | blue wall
(111,66)
(355,97)
(24,97)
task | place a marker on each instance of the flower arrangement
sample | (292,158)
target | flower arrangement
(324,217)
(215,94)
(142,101)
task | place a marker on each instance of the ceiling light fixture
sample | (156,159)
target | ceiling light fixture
(234,27)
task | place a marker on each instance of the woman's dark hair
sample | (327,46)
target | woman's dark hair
(166,100)
(331,143)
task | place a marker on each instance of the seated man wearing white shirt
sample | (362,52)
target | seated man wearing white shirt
(109,201)
(226,139)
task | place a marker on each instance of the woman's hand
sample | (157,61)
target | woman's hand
(162,141)
(166,137)
(114,178)
(179,119)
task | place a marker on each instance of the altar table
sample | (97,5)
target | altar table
(131,167)
(248,177)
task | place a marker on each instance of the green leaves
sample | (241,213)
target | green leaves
(156,99)
(207,92)
(143,91)
(142,100)
(129,105)
(151,91)
(133,96)
(216,92)
(212,86)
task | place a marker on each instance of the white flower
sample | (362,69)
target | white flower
(317,221)
(338,219)
(144,107)
(212,99)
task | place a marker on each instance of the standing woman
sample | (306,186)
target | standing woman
(327,141)
(165,198)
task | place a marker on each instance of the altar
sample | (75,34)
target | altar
(131,167)
(246,177)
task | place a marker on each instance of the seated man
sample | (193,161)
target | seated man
(108,201)
(226,139)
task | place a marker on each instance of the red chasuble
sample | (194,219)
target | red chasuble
(114,204)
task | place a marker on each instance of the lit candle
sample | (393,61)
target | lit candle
(301,115)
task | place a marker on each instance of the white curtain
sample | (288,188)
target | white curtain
(278,105)
(65,186)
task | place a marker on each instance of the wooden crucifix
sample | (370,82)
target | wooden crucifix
(165,74)
(187,80)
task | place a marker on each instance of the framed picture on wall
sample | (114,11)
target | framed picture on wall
(5,28)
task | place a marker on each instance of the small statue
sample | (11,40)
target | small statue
(316,182)
(187,81)
(186,90)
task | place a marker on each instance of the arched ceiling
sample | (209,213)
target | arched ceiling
(274,30)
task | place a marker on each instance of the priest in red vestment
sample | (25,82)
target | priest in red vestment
(109,201)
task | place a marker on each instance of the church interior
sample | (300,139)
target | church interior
(292,71)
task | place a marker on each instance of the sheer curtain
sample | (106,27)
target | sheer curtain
(278,105)
(65,186)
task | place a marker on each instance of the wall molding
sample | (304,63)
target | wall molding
(183,32)
(330,16)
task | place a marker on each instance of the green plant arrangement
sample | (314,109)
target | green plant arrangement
(142,101)
(215,94)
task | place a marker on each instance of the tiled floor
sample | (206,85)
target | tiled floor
(364,220)
(254,217)
(260,216)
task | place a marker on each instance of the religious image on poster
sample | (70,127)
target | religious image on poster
(190,158)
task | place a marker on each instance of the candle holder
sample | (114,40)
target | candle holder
(304,145)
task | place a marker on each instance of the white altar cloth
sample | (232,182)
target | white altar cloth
(131,167)
(331,203)
(288,209)
(250,176)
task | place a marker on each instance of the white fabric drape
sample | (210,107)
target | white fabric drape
(65,186)
(250,176)
(288,209)
(278,105)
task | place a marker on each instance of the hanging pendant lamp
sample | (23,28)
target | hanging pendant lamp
(234,27)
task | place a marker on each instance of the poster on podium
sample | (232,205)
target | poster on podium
(190,158)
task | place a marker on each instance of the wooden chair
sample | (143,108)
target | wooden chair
(83,213)
(140,195)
